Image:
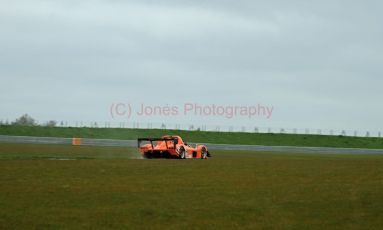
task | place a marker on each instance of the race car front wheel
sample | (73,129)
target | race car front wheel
(203,153)
(181,153)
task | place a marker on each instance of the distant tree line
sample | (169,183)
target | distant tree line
(27,120)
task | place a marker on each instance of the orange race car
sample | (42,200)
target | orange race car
(170,147)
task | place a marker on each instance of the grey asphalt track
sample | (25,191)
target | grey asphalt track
(210,146)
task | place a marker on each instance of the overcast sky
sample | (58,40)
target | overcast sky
(318,64)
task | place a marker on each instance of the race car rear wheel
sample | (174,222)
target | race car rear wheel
(203,153)
(147,155)
(181,153)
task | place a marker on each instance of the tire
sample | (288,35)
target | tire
(203,153)
(147,155)
(181,153)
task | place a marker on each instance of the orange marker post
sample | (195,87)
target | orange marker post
(76,141)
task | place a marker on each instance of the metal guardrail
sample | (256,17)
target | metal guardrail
(67,141)
(133,143)
(35,140)
(294,149)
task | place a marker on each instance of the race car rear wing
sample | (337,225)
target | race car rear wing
(174,139)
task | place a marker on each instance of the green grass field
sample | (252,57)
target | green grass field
(82,187)
(199,136)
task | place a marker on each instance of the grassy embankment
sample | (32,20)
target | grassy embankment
(201,137)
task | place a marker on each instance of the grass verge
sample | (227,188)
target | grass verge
(105,188)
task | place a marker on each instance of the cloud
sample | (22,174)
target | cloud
(315,62)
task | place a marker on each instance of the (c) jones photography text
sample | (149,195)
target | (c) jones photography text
(191,109)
